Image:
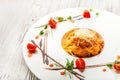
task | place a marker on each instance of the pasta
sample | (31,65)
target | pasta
(82,42)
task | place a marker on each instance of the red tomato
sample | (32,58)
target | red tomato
(117,67)
(80,63)
(86,14)
(31,48)
(52,23)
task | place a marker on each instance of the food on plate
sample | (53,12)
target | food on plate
(52,23)
(116,66)
(82,42)
(80,63)
(86,14)
(31,48)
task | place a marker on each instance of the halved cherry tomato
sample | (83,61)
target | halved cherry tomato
(52,23)
(86,14)
(31,48)
(80,63)
(117,67)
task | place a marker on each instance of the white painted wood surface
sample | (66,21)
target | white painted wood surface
(16,16)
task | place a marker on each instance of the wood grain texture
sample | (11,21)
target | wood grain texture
(16,16)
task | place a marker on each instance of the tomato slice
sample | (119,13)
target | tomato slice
(52,23)
(80,63)
(86,14)
(31,48)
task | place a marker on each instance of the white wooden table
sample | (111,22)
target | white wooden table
(16,16)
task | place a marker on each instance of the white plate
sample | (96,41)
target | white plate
(106,24)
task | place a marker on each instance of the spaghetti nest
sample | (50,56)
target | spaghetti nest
(82,42)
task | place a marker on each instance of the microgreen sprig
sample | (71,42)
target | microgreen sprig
(109,65)
(70,18)
(92,10)
(60,19)
(70,65)
(43,30)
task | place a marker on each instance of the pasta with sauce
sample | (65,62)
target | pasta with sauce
(82,42)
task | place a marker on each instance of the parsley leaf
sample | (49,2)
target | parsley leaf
(91,9)
(109,66)
(41,32)
(70,65)
(69,18)
(97,13)
(115,62)
(60,19)
(46,26)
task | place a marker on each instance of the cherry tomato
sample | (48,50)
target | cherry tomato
(31,48)
(86,14)
(52,23)
(80,63)
(117,67)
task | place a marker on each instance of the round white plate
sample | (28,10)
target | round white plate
(106,24)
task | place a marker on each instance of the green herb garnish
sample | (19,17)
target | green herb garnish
(91,9)
(97,13)
(69,18)
(115,62)
(46,26)
(70,65)
(60,19)
(109,66)
(41,32)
